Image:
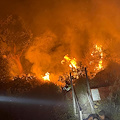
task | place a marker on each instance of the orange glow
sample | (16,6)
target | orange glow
(72,62)
(99,54)
(47,76)
(100,66)
(98,48)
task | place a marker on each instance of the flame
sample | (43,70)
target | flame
(100,66)
(46,77)
(99,48)
(67,58)
(72,62)
(98,53)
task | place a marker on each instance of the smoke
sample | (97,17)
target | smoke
(67,27)
(45,54)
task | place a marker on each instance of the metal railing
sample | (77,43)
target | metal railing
(89,93)
(76,106)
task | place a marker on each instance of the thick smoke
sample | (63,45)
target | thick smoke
(45,53)
(67,27)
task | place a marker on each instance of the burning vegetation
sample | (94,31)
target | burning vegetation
(46,77)
(72,62)
(39,54)
(50,48)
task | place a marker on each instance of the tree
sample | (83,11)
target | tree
(14,39)
(3,69)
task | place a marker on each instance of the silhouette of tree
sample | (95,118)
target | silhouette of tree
(14,39)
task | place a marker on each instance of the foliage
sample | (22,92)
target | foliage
(30,87)
(14,39)
(14,34)
(3,69)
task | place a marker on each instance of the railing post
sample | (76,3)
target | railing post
(80,113)
(89,93)
(88,86)
(73,94)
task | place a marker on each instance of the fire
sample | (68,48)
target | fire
(99,48)
(72,62)
(98,53)
(47,76)
(76,70)
(100,66)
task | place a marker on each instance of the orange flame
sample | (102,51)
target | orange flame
(46,77)
(72,62)
(98,51)
(100,66)
(99,48)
